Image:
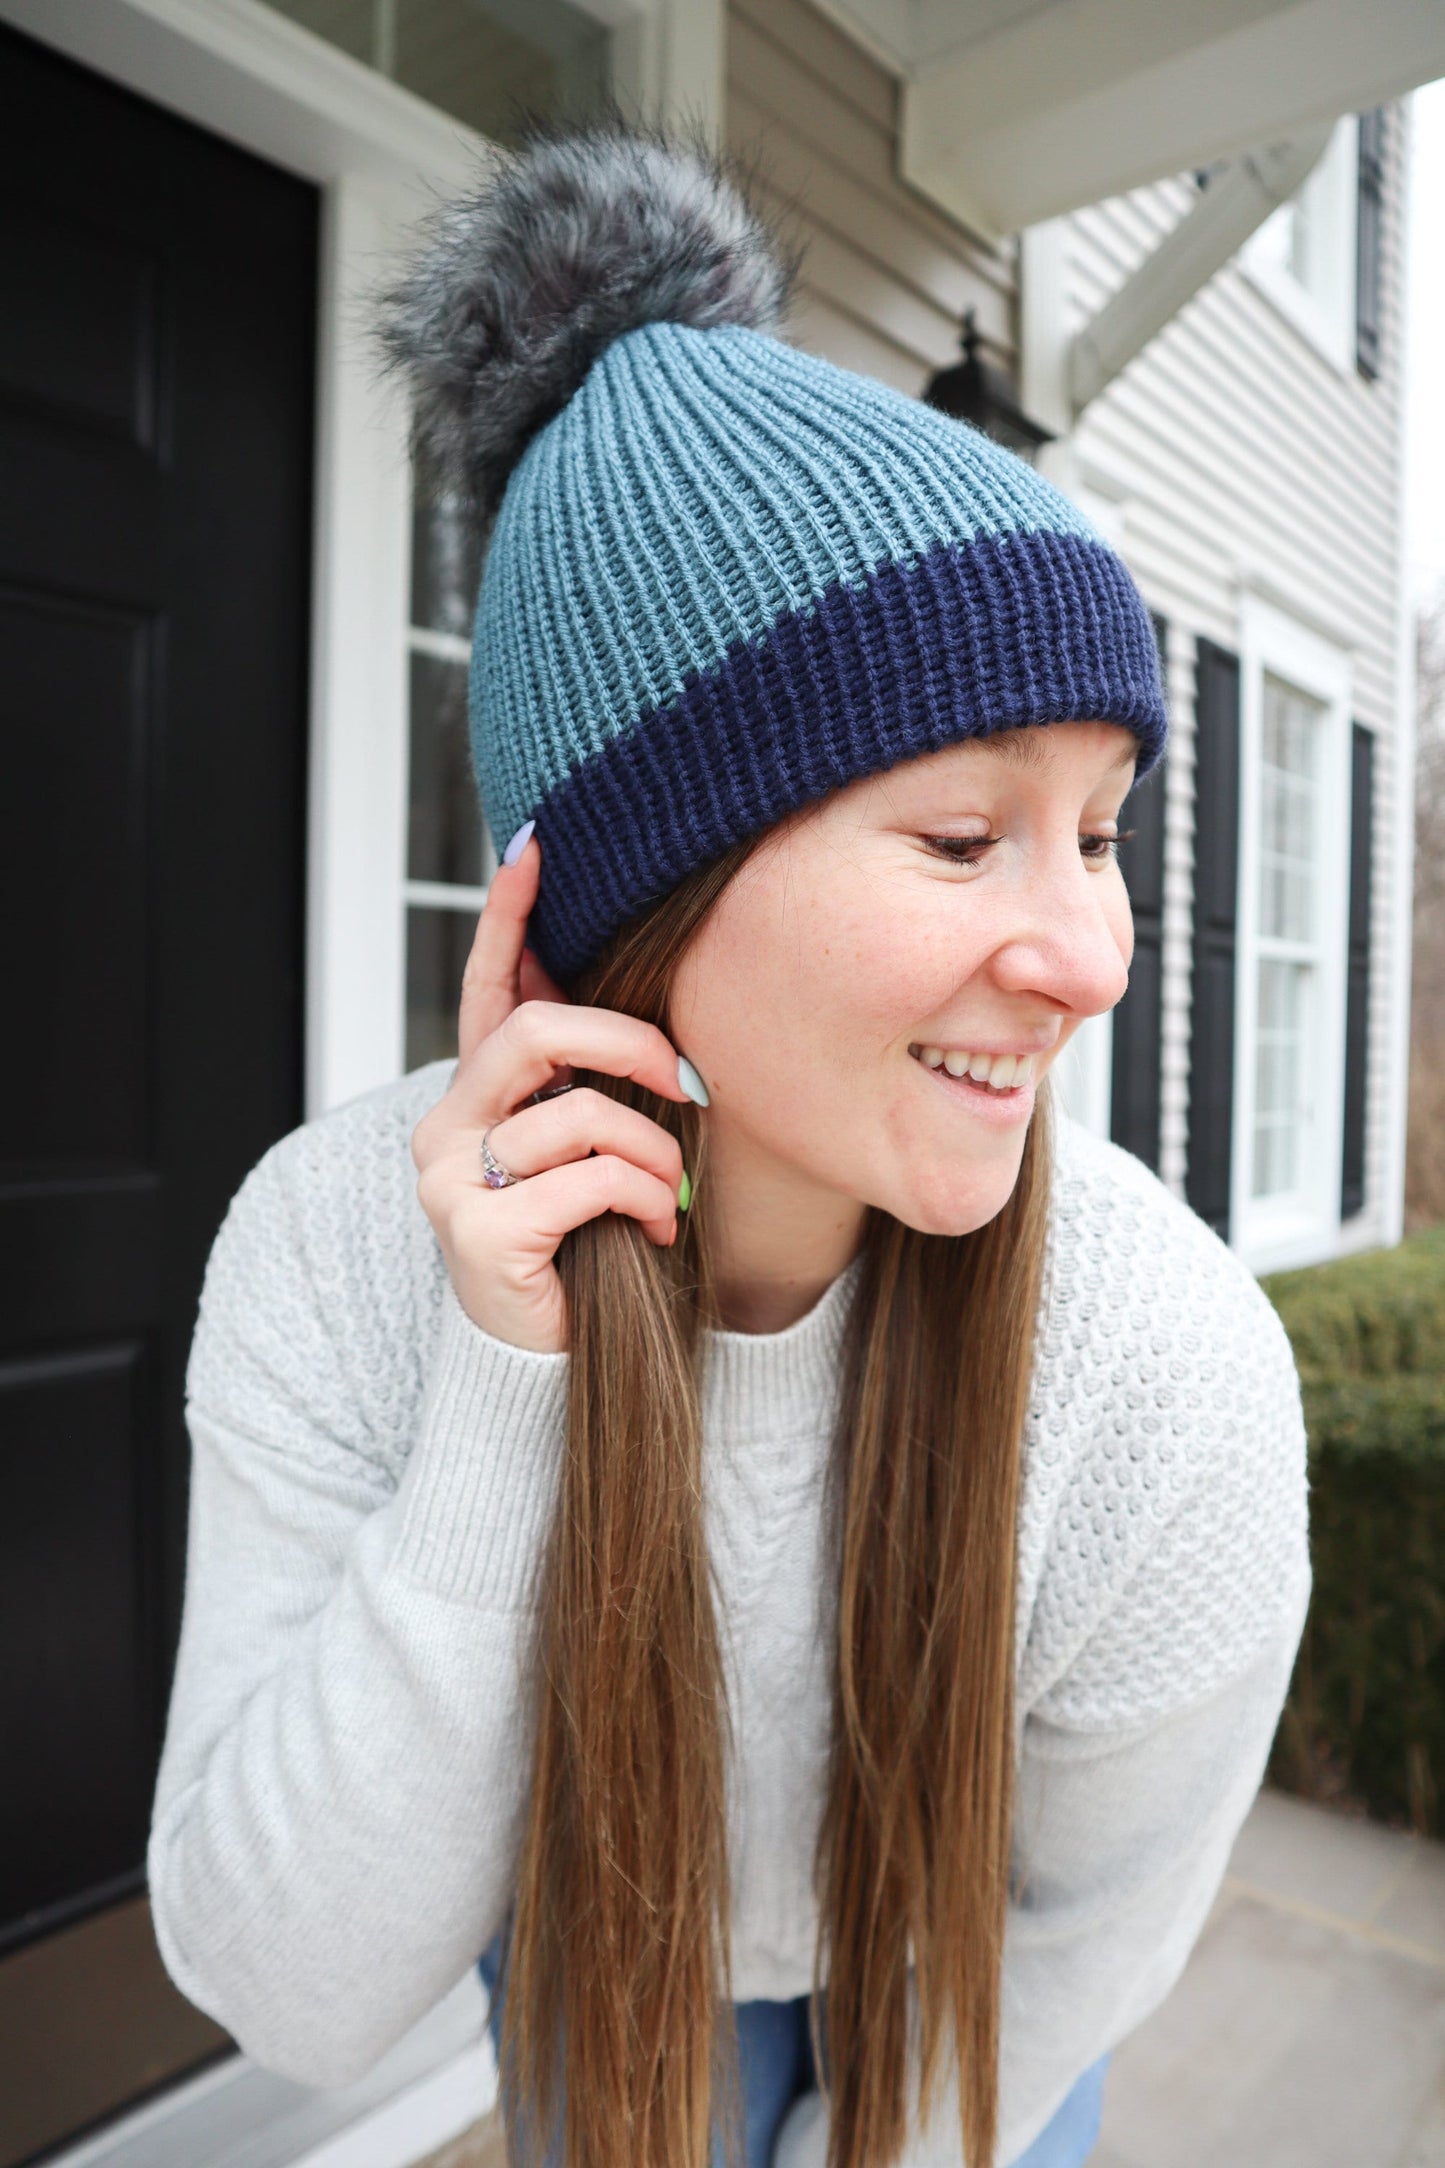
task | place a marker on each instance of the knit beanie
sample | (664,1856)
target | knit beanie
(722,576)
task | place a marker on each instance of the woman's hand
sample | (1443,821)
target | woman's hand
(580,1153)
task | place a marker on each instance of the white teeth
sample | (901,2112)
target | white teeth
(1001,1072)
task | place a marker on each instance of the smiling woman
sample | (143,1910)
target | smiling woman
(959,905)
(706,1507)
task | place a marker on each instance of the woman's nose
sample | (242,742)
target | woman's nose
(1074,938)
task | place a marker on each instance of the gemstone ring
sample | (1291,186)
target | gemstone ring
(494,1174)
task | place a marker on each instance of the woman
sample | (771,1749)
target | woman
(700,1505)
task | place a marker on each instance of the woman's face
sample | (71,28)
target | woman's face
(965,904)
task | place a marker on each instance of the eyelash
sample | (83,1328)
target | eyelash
(953,847)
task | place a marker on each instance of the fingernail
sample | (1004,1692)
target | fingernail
(691,1082)
(518,844)
(684,1193)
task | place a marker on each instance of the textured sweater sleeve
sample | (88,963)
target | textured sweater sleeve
(337,1807)
(1141,1754)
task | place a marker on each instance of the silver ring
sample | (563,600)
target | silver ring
(494,1174)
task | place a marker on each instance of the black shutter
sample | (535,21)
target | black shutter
(1216,880)
(1138,1020)
(1369,223)
(1357,973)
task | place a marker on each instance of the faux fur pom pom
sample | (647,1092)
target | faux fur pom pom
(573,239)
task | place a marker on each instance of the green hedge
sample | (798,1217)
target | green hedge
(1364,1725)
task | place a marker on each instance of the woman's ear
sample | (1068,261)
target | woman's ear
(536,982)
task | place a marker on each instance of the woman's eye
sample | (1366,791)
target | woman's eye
(1099,849)
(969,850)
(963,850)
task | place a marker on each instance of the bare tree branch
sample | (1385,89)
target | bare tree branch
(1425,1143)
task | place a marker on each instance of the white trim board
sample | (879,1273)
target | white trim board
(436,2081)
(1084,1075)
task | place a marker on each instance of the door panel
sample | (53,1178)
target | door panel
(84,788)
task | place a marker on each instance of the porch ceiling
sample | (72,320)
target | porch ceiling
(1017,110)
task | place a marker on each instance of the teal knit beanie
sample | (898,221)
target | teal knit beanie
(723,577)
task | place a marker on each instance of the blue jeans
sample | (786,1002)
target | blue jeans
(775,2055)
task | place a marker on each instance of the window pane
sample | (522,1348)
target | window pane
(351,24)
(1279,1109)
(444,839)
(1288,719)
(445,564)
(492,63)
(437,946)
(1288,811)
(1303,247)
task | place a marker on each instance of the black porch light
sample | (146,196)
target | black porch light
(974,391)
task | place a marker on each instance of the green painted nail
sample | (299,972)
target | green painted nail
(684,1194)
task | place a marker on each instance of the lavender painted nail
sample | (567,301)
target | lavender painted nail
(691,1082)
(518,843)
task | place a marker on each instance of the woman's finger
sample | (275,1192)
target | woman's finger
(565,1129)
(539,1037)
(538,984)
(533,1216)
(491,981)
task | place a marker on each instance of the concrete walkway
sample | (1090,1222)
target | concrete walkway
(1308,2029)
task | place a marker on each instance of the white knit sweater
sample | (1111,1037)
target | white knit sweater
(340,1797)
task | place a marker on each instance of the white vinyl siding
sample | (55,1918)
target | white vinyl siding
(886,278)
(1247,465)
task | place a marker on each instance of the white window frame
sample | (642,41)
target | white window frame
(1326,316)
(1272,1234)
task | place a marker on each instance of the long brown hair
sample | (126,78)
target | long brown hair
(618,1973)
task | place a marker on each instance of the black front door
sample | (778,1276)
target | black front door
(157,342)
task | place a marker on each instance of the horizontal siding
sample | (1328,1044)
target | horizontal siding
(885,277)
(1239,451)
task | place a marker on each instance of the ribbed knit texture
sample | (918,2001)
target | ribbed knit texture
(729,576)
(341,1795)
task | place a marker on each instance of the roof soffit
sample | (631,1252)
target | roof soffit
(1014,111)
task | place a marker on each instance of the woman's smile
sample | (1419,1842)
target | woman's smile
(998,1088)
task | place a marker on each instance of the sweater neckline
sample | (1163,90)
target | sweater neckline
(766,1385)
